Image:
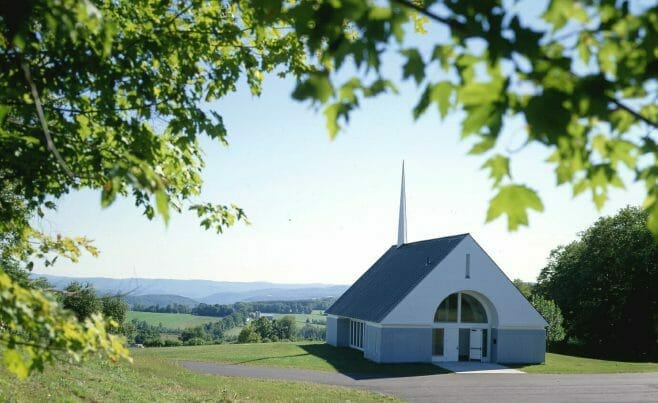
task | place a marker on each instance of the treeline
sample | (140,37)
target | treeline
(221,310)
(170,308)
(605,285)
(141,332)
(263,330)
(257,331)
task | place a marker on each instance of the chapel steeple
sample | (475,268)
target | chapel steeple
(402,223)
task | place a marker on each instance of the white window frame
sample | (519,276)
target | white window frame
(357,333)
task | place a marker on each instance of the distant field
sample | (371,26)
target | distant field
(171,320)
(300,318)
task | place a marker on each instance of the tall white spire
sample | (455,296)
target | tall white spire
(402,224)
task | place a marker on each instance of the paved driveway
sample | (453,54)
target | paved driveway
(641,387)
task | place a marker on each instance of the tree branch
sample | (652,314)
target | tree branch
(44,125)
(635,114)
(450,22)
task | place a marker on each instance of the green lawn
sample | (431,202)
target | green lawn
(301,355)
(568,364)
(154,378)
(172,320)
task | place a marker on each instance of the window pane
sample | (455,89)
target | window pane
(437,341)
(360,335)
(472,310)
(447,311)
(363,333)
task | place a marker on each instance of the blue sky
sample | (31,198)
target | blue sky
(324,211)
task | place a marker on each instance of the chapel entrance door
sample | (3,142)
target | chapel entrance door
(475,352)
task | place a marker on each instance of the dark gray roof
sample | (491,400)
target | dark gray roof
(391,278)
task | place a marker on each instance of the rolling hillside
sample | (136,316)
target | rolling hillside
(171,320)
(206,291)
(159,299)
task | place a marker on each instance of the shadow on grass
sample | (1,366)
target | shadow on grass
(351,362)
(600,353)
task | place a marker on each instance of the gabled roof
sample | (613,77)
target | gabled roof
(391,278)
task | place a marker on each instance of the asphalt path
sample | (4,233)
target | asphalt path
(639,387)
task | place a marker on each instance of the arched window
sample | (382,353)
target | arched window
(472,310)
(462,306)
(447,311)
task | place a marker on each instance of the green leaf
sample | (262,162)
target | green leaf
(331,114)
(476,119)
(422,104)
(16,364)
(162,204)
(443,53)
(379,13)
(414,67)
(441,95)
(514,201)
(559,12)
(334,112)
(486,144)
(547,116)
(474,94)
(621,120)
(109,193)
(498,166)
(317,87)
(651,206)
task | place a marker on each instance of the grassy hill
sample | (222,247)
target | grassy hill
(171,320)
(154,377)
(316,356)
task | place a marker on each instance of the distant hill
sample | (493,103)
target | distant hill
(159,299)
(206,291)
(276,294)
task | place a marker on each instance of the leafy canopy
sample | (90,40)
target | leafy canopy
(110,95)
(549,310)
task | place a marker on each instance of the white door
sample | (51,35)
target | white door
(476,345)
(451,346)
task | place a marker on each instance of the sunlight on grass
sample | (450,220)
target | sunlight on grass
(567,364)
(301,355)
(154,378)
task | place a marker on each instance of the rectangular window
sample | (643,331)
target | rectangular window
(357,330)
(437,341)
(361,335)
(468,265)
(485,342)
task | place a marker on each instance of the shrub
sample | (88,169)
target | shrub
(172,343)
(195,341)
(153,343)
(248,335)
